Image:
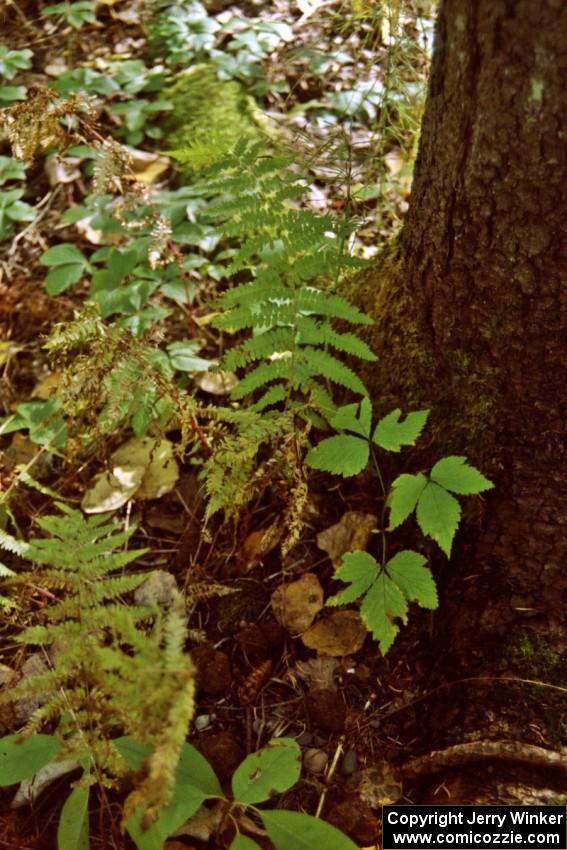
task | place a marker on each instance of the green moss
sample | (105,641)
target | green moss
(531,655)
(209,110)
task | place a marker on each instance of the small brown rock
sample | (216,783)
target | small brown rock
(214,671)
(327,710)
(356,819)
(314,760)
(223,751)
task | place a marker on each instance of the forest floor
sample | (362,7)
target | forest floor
(262,669)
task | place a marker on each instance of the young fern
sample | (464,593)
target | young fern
(100,650)
(291,355)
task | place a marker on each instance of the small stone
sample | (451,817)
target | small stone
(202,722)
(224,753)
(304,739)
(160,588)
(326,709)
(214,671)
(349,763)
(315,761)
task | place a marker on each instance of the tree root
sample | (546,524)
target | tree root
(478,751)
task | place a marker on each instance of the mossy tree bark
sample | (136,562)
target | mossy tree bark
(471,319)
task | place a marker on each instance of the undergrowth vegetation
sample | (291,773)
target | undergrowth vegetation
(224,285)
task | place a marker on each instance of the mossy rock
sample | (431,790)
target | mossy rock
(210,113)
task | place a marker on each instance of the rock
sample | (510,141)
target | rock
(315,761)
(160,588)
(349,763)
(326,709)
(224,753)
(214,671)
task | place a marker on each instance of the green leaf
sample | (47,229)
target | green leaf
(73,829)
(454,473)
(382,603)
(360,570)
(195,782)
(61,278)
(343,455)
(438,514)
(63,254)
(133,753)
(404,495)
(346,418)
(20,759)
(297,831)
(407,569)
(183,356)
(242,842)
(271,770)
(391,434)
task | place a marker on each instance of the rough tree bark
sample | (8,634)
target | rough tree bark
(471,319)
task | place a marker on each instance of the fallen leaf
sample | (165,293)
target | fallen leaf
(147,166)
(204,822)
(31,788)
(111,490)
(47,386)
(340,634)
(350,534)
(62,169)
(216,383)
(318,672)
(161,474)
(257,545)
(142,467)
(296,605)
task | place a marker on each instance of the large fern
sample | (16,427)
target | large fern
(113,668)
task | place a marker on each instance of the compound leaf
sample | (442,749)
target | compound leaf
(360,570)
(342,454)
(408,570)
(455,474)
(391,434)
(346,419)
(438,514)
(382,603)
(404,496)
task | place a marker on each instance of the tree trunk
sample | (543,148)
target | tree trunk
(471,319)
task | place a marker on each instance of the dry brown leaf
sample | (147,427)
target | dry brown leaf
(257,545)
(343,633)
(147,166)
(318,672)
(350,534)
(296,605)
